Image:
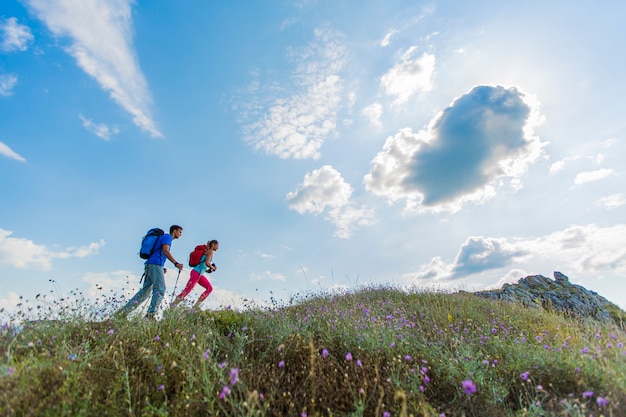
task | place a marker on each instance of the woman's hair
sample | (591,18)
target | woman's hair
(211,242)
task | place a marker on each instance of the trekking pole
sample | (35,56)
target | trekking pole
(174,292)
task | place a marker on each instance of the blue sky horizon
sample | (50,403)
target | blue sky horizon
(326,145)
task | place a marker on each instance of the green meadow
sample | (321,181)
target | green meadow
(369,352)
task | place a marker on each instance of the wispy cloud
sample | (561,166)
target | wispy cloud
(374,112)
(102,130)
(386,40)
(9,153)
(267,275)
(591,176)
(15,37)
(7,82)
(612,201)
(23,253)
(297,126)
(100,34)
(325,188)
(484,135)
(586,250)
(411,76)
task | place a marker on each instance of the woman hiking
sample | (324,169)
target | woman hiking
(197,275)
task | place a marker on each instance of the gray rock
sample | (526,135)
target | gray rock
(559,294)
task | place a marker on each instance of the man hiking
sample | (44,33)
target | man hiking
(154,275)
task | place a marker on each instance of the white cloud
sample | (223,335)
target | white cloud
(321,188)
(387,38)
(325,188)
(409,77)
(102,130)
(298,125)
(24,254)
(586,250)
(101,42)
(348,218)
(558,165)
(267,275)
(374,112)
(591,176)
(612,201)
(9,153)
(7,82)
(511,277)
(15,37)
(115,283)
(485,135)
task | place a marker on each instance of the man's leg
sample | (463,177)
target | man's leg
(155,272)
(138,298)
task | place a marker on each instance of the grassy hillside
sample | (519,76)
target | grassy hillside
(373,352)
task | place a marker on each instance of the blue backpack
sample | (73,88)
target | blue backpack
(149,241)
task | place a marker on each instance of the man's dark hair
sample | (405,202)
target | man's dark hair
(175,227)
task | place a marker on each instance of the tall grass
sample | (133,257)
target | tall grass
(370,352)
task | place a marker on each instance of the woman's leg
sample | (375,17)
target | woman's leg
(193,280)
(209,288)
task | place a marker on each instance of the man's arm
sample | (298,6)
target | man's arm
(168,255)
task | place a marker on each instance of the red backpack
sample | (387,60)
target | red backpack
(196,255)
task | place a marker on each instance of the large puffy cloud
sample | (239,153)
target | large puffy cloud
(14,37)
(23,253)
(297,126)
(585,250)
(101,42)
(484,135)
(325,188)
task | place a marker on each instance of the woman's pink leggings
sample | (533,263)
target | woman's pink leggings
(196,278)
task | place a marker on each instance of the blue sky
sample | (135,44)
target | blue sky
(325,144)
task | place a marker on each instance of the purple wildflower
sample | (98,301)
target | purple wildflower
(157,338)
(525,375)
(602,401)
(348,356)
(468,386)
(281,364)
(234,376)
(205,355)
(587,394)
(225,392)
(111,331)
(359,363)
(324,353)
(161,387)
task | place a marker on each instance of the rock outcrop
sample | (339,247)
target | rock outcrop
(559,295)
